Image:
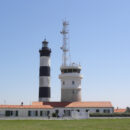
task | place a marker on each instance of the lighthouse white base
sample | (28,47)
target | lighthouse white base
(71,95)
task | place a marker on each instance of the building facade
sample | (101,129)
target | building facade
(60,109)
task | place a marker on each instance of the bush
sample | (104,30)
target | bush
(53,114)
(109,114)
(128,110)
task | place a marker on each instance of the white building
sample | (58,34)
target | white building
(78,110)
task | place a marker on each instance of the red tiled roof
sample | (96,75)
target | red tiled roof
(90,104)
(49,105)
(27,106)
(79,104)
(119,110)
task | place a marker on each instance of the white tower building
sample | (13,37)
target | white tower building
(70,73)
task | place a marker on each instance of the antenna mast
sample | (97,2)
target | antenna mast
(64,48)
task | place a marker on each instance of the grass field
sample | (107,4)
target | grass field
(90,124)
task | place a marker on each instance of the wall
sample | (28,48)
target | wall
(61,111)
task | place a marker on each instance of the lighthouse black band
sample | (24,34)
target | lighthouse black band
(45,52)
(44,92)
(44,71)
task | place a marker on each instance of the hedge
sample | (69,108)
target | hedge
(109,114)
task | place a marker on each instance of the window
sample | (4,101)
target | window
(87,110)
(7,113)
(11,113)
(74,91)
(65,71)
(69,70)
(74,70)
(48,112)
(78,110)
(106,111)
(29,113)
(63,82)
(36,113)
(57,111)
(41,113)
(97,110)
(68,113)
(16,114)
(73,82)
(64,111)
(78,70)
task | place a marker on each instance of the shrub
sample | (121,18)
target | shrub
(53,114)
(109,114)
(128,110)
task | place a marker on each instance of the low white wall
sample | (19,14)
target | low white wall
(61,111)
(80,115)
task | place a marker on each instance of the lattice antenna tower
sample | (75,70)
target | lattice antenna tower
(64,47)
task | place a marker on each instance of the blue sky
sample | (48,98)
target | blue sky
(99,40)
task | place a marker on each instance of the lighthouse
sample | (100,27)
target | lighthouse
(44,73)
(70,73)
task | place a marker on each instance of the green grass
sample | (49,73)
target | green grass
(90,124)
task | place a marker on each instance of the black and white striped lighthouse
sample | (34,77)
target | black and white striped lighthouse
(44,73)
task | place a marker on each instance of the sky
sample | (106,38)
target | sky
(99,38)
